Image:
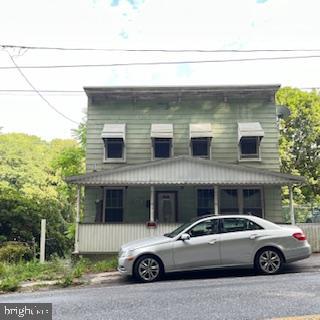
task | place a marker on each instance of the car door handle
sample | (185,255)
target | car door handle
(253,236)
(213,241)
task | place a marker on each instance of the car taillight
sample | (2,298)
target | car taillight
(299,236)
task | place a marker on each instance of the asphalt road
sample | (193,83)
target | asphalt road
(211,295)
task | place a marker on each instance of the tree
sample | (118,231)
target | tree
(300,140)
(32,188)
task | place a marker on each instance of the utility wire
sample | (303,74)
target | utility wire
(39,93)
(9,46)
(160,62)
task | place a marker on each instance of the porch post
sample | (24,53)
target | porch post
(76,240)
(151,218)
(216,200)
(291,205)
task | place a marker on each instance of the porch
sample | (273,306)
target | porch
(137,201)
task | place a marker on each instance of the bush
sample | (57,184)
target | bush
(15,252)
(9,284)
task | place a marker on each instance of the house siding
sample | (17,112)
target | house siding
(224,115)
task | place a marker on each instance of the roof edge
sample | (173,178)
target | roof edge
(291,178)
(180,89)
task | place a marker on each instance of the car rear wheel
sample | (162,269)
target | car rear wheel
(147,269)
(269,261)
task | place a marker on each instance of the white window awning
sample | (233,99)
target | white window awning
(114,131)
(161,130)
(249,129)
(200,130)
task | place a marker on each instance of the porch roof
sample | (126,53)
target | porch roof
(184,170)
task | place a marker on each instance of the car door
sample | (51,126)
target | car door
(201,250)
(238,240)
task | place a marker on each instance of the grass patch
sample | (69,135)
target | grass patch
(12,274)
(105,265)
(9,284)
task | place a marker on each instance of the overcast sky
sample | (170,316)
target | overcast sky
(149,24)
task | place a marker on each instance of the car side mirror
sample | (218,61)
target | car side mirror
(185,236)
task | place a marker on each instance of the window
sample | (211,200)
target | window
(200,139)
(238,224)
(205,228)
(249,148)
(113,148)
(114,205)
(113,136)
(205,201)
(162,136)
(252,202)
(162,147)
(200,147)
(249,139)
(229,201)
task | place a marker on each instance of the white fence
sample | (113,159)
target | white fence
(97,238)
(312,231)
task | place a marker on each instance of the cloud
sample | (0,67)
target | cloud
(134,3)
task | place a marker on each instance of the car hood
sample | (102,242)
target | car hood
(146,242)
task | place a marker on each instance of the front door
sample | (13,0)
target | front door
(166,206)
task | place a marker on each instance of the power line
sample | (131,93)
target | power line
(17,92)
(39,93)
(160,62)
(9,46)
(45,91)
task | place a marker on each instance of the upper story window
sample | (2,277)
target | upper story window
(113,136)
(162,135)
(249,139)
(200,140)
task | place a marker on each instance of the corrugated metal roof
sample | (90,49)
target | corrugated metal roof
(185,170)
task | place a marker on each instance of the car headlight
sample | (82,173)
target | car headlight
(125,253)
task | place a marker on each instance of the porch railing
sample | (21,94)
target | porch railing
(103,238)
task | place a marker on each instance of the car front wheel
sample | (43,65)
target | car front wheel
(269,261)
(147,269)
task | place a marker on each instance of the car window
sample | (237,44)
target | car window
(238,224)
(204,228)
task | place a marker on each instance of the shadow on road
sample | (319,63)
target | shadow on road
(226,273)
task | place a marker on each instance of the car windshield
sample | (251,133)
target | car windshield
(178,230)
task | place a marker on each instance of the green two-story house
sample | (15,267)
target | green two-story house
(160,156)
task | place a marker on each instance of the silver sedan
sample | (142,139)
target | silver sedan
(215,242)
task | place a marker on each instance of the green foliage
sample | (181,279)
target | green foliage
(105,265)
(80,267)
(80,134)
(9,284)
(12,274)
(300,140)
(67,280)
(33,270)
(15,252)
(32,187)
